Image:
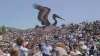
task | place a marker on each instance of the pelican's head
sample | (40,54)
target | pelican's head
(56,16)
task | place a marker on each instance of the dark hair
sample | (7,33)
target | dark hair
(14,52)
(0,46)
(20,41)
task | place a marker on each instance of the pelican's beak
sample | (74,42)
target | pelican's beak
(57,16)
(60,18)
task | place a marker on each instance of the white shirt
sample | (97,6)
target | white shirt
(23,48)
(84,47)
(77,52)
(14,44)
(47,49)
(80,35)
(38,54)
(82,42)
(6,54)
(72,53)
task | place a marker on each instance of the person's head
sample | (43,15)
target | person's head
(60,44)
(20,41)
(14,52)
(47,42)
(37,47)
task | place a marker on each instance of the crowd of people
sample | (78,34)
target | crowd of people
(66,40)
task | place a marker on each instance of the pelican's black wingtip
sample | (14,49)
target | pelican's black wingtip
(36,6)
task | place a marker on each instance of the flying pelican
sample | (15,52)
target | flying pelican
(43,15)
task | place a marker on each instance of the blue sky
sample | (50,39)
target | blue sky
(21,14)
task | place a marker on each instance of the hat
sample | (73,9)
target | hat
(60,44)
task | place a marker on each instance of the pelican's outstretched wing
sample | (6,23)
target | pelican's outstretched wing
(43,14)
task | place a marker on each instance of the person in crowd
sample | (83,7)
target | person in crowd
(84,49)
(74,51)
(60,49)
(47,48)
(37,51)
(14,52)
(1,52)
(6,53)
(23,51)
(84,36)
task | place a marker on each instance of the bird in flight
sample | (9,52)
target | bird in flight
(43,15)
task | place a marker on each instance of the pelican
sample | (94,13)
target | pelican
(43,15)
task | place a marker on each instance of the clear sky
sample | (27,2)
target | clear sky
(21,14)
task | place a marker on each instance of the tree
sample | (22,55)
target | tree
(3,29)
(0,31)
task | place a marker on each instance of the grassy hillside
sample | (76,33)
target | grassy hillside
(7,29)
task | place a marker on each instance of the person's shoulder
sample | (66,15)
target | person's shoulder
(15,46)
(39,54)
(50,46)
(24,49)
(6,54)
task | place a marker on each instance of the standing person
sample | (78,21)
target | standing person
(92,48)
(37,51)
(14,52)
(6,53)
(98,49)
(60,49)
(84,49)
(23,51)
(1,52)
(74,51)
(47,48)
